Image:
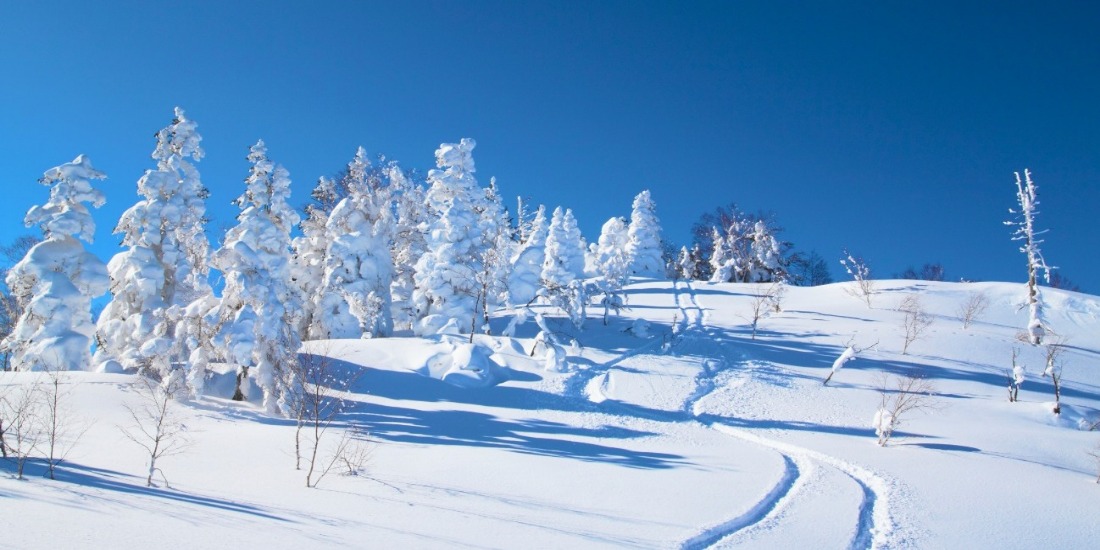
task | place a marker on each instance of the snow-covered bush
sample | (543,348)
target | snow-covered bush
(57,279)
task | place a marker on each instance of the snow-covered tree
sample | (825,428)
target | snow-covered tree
(446,283)
(766,261)
(164,265)
(57,279)
(564,265)
(408,244)
(307,266)
(720,261)
(644,245)
(496,266)
(524,280)
(1027,197)
(355,300)
(259,304)
(612,264)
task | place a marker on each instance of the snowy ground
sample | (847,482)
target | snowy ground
(694,436)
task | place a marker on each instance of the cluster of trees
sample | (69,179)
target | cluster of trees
(376,252)
(730,245)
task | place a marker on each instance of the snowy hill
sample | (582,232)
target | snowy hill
(677,431)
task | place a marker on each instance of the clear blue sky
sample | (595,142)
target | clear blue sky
(890,128)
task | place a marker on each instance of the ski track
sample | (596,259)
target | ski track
(874,525)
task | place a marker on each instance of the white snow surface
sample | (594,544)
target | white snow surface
(696,436)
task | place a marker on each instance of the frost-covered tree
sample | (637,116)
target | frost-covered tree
(259,304)
(564,265)
(308,262)
(1027,197)
(644,245)
(721,264)
(408,244)
(766,261)
(612,264)
(163,267)
(446,283)
(355,299)
(524,281)
(57,279)
(496,266)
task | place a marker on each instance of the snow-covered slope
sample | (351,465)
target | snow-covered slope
(687,435)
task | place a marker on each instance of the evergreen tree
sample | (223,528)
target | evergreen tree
(563,265)
(358,263)
(612,264)
(644,246)
(446,274)
(524,281)
(259,304)
(57,279)
(164,266)
(308,262)
(409,244)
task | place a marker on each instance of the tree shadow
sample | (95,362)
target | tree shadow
(110,480)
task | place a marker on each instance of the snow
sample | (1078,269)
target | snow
(698,437)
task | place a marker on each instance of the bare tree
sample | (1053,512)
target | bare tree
(23,428)
(1053,349)
(157,427)
(316,414)
(915,321)
(899,397)
(975,305)
(764,300)
(60,430)
(864,285)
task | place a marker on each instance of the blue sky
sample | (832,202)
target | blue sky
(888,128)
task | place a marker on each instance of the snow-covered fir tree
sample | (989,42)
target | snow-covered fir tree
(57,279)
(446,274)
(408,244)
(259,304)
(525,278)
(563,266)
(1028,199)
(307,265)
(766,260)
(644,245)
(612,265)
(163,267)
(496,257)
(355,299)
(689,263)
(721,261)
